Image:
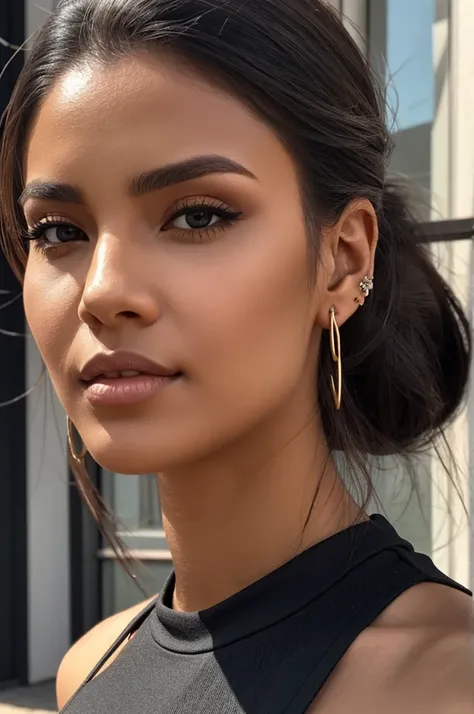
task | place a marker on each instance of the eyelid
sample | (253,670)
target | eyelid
(195,201)
(49,218)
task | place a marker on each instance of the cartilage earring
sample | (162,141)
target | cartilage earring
(366,285)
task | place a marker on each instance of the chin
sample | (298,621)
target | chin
(117,462)
(130,459)
(142,452)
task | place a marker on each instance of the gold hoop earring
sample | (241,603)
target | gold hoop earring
(335,343)
(78,457)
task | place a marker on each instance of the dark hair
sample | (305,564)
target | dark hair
(406,354)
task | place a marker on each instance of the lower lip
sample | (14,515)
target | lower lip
(126,390)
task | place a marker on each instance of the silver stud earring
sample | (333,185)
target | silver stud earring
(366,285)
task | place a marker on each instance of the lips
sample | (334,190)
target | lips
(123,365)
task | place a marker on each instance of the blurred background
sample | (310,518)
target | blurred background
(57,576)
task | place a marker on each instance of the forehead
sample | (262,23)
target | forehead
(139,109)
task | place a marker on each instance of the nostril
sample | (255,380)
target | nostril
(111,303)
(129,313)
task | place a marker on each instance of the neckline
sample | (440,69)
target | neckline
(274,597)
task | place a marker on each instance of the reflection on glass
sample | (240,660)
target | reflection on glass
(133,499)
(409,47)
(410,62)
(150,512)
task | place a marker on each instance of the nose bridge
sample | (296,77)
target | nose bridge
(109,270)
(115,284)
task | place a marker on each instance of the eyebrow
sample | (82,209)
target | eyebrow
(154,180)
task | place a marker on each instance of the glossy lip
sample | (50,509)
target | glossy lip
(119,391)
(121,361)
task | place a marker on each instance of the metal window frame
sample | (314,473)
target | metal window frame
(14,466)
(13,418)
(84,547)
(447,231)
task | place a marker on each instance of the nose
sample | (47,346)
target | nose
(116,290)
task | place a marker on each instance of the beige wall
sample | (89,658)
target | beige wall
(47,499)
(454,533)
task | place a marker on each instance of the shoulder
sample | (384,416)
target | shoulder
(439,676)
(417,656)
(83,656)
(431,626)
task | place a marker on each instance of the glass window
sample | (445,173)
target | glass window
(133,498)
(409,48)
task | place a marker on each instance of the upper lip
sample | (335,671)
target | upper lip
(121,361)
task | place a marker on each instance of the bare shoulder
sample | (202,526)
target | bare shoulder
(83,656)
(442,678)
(417,656)
(437,671)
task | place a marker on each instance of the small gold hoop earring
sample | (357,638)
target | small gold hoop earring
(335,343)
(78,457)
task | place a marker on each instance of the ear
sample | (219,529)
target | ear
(347,257)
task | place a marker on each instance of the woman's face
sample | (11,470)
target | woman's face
(169,227)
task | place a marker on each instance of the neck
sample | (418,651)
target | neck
(232,519)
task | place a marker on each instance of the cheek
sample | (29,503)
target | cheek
(50,304)
(254,325)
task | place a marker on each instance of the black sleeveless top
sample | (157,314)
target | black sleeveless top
(268,649)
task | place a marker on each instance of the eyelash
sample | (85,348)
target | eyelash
(218,208)
(227,216)
(35,234)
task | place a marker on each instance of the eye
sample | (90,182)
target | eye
(199,219)
(62,234)
(196,219)
(51,232)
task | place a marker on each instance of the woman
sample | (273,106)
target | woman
(194,193)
